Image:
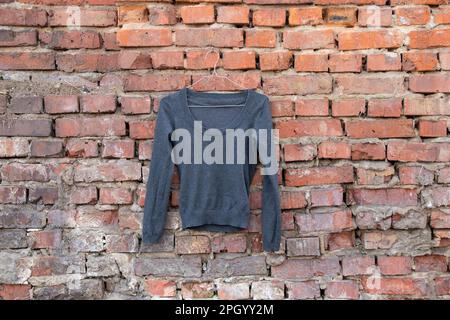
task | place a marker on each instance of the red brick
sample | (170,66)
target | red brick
(44,195)
(282,107)
(26,127)
(305,16)
(14,147)
(13,195)
(160,287)
(370,84)
(123,243)
(297,84)
(440,219)
(303,246)
(201,59)
(444,58)
(135,105)
(341,16)
(15,171)
(386,197)
(374,176)
(303,290)
(319,175)
(203,37)
(83,126)
(359,2)
(236,60)
(233,14)
(167,59)
(401,128)
(229,243)
(430,128)
(260,38)
(372,16)
(192,244)
(84,195)
(82,148)
(81,17)
(27,17)
(198,14)
(298,269)
(132,14)
(444,175)
(249,79)
(278,60)
(420,61)
(142,129)
(310,127)
(438,196)
(442,285)
(417,151)
(334,150)
(441,15)
(421,39)
(115,196)
(426,106)
(430,2)
(308,39)
(46,148)
(197,290)
(144,37)
(395,286)
(384,62)
(385,108)
(70,39)
(342,289)
(394,266)
(297,152)
(27,60)
(429,83)
(415,175)
(431,262)
(358,265)
(155,82)
(311,107)
(28,104)
(273,17)
(46,239)
(348,107)
(293,199)
(343,62)
(327,197)
(10,38)
(130,60)
(61,104)
(311,63)
(412,15)
(98,103)
(233,291)
(162,15)
(335,221)
(342,240)
(87,62)
(370,39)
(15,291)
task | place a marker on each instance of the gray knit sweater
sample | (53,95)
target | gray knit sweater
(212,196)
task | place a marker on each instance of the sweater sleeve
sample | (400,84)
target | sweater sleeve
(159,178)
(271,212)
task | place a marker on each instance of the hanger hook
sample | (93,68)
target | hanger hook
(212,49)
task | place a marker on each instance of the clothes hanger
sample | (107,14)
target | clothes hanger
(215,74)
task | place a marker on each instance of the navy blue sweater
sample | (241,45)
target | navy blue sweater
(212,196)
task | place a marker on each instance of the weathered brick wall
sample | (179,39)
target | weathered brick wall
(359,91)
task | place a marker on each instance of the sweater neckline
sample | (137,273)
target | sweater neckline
(231,124)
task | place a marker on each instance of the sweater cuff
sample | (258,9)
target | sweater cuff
(271,247)
(150,238)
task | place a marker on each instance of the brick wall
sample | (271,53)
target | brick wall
(359,91)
